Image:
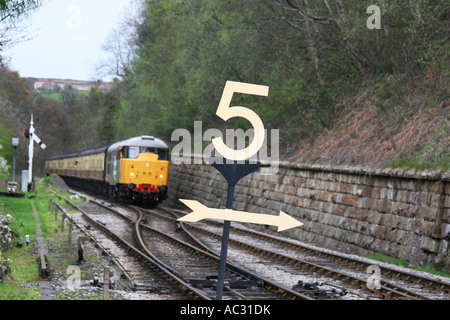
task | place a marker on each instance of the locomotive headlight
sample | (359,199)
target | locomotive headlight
(161,176)
(132,174)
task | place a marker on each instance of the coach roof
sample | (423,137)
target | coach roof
(142,141)
(80,153)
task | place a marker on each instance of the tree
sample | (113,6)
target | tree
(5,153)
(11,14)
(69,96)
(310,53)
(121,43)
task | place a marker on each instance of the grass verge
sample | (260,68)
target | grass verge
(23,259)
(403,263)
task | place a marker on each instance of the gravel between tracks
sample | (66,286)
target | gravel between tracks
(289,278)
(95,261)
(280,275)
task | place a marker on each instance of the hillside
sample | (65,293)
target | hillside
(397,122)
(341,93)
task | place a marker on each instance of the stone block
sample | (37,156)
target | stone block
(436,199)
(361,214)
(428,228)
(445,231)
(322,196)
(391,235)
(407,184)
(400,209)
(429,244)
(447,201)
(427,213)
(402,237)
(386,206)
(380,231)
(446,215)
(404,252)
(350,200)
(346,188)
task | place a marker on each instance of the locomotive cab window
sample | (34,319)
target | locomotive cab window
(163,154)
(133,152)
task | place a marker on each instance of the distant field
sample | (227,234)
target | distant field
(57,95)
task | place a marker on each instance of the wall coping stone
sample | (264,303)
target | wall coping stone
(410,173)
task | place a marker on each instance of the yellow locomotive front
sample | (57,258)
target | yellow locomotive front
(138,170)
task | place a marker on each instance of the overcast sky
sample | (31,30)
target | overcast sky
(67,39)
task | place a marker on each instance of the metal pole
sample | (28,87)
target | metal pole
(30,154)
(14,165)
(224,249)
(69,238)
(106,284)
(62,221)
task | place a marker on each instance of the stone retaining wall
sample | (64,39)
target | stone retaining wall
(402,213)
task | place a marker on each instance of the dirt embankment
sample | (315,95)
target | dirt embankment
(398,122)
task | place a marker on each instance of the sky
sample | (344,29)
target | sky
(67,39)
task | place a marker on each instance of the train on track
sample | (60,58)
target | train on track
(134,170)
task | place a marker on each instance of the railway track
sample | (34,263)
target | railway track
(144,273)
(336,271)
(200,268)
(177,259)
(188,241)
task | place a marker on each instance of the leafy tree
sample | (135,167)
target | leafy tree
(6,153)
(69,96)
(310,53)
(11,14)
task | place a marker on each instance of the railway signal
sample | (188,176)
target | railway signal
(33,138)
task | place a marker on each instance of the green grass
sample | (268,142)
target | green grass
(23,260)
(387,259)
(403,263)
(433,156)
(58,95)
(49,226)
(416,161)
(24,270)
(55,96)
(21,210)
(428,269)
(11,290)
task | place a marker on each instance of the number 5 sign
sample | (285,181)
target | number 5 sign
(234,172)
(226,112)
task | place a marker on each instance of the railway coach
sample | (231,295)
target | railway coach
(134,170)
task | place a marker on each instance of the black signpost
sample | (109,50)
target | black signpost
(233,172)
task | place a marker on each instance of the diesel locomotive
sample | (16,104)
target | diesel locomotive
(134,170)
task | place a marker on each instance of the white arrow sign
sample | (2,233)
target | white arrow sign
(282,221)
